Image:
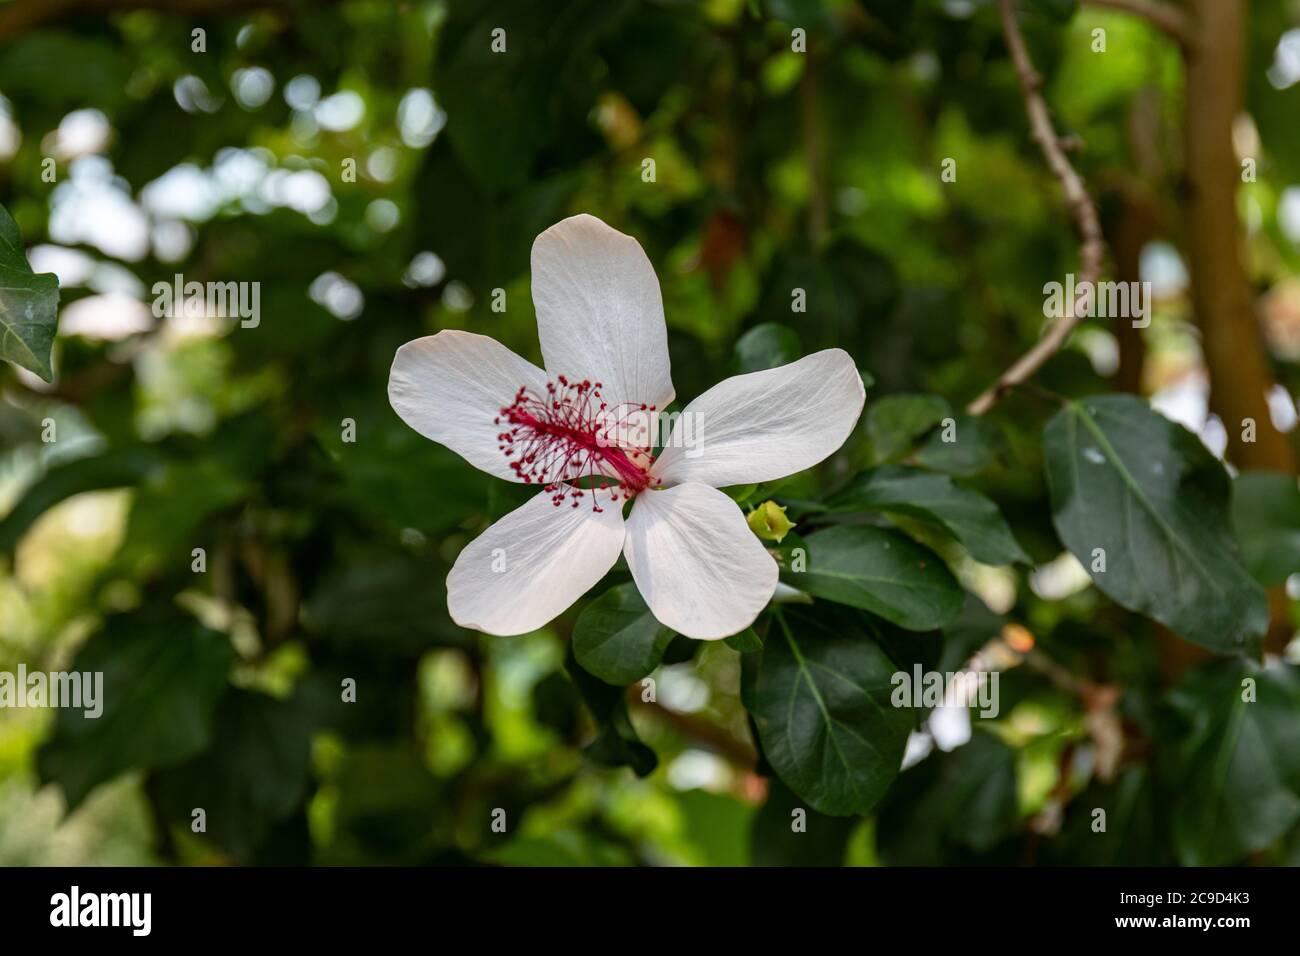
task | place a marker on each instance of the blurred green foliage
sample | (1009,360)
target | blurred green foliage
(305,686)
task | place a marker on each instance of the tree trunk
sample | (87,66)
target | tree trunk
(1221,295)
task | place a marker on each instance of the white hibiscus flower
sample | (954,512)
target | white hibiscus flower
(600,320)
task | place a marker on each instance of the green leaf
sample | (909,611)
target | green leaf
(821,703)
(163,675)
(1147,493)
(933,499)
(29,305)
(555,703)
(766,346)
(1237,776)
(1266,516)
(616,743)
(881,571)
(977,444)
(896,422)
(617,638)
(115,468)
(951,806)
(745,641)
(254,774)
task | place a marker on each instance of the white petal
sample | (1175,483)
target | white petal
(450,386)
(695,561)
(599,312)
(765,425)
(532,564)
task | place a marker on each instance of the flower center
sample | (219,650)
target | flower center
(570,433)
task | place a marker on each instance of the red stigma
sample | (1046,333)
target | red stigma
(570,433)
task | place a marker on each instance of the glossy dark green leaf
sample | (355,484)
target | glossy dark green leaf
(896,423)
(617,638)
(820,700)
(1146,492)
(933,499)
(1266,517)
(882,571)
(972,446)
(163,675)
(745,641)
(29,305)
(1237,771)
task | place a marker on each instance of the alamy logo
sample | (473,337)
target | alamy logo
(1102,300)
(935,689)
(103,909)
(70,689)
(222,300)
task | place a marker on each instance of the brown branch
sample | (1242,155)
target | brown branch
(23,15)
(1092,248)
(1233,343)
(718,739)
(1165,17)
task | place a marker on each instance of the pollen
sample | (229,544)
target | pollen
(573,443)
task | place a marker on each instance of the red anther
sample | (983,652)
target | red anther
(570,434)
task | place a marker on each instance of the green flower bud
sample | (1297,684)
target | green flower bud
(769,522)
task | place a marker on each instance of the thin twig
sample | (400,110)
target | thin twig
(1165,17)
(1092,247)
